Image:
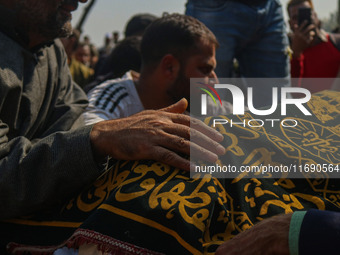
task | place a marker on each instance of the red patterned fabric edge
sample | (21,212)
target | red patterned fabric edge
(80,237)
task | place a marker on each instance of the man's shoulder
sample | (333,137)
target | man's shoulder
(112,96)
(110,87)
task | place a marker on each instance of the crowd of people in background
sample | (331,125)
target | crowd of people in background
(306,51)
(89,64)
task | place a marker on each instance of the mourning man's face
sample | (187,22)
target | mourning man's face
(201,64)
(48,18)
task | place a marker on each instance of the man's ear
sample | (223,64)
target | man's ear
(170,67)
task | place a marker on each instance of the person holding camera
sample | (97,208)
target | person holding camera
(316,54)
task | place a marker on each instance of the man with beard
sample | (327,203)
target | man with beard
(45,156)
(174,49)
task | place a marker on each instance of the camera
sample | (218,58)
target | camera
(305,14)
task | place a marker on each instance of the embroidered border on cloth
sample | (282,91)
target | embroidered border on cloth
(80,237)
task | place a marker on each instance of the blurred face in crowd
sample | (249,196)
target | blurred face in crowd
(83,54)
(201,64)
(294,14)
(47,18)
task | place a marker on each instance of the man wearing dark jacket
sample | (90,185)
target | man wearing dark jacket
(45,158)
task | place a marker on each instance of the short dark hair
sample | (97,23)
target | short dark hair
(174,34)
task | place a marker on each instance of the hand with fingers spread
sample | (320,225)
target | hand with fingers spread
(302,38)
(267,237)
(158,135)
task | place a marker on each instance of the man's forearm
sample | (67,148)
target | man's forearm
(48,172)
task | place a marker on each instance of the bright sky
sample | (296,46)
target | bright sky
(110,15)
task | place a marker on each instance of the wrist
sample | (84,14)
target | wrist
(95,136)
(294,231)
